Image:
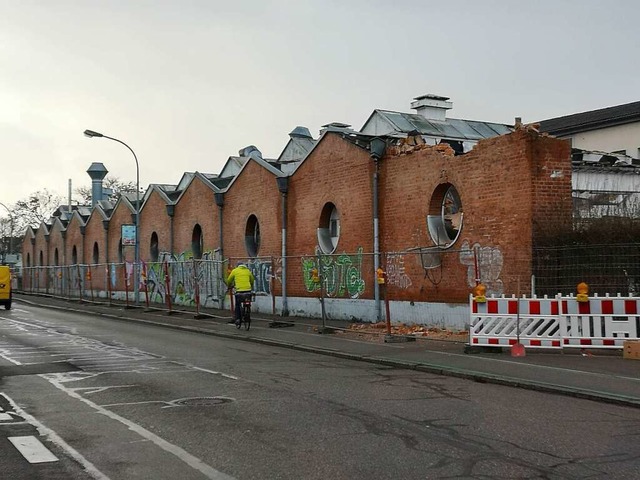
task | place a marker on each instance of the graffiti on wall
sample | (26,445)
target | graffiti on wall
(183,275)
(263,272)
(396,274)
(490,262)
(341,275)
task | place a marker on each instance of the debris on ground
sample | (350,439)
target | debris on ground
(435,333)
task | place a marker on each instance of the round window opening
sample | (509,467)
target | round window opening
(445,215)
(329,228)
(252,236)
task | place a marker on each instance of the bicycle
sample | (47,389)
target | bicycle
(245,312)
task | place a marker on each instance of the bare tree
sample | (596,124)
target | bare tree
(36,208)
(110,183)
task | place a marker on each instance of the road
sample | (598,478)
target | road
(115,400)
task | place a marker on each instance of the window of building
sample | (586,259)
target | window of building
(444,220)
(56,259)
(96,253)
(197,242)
(154,251)
(41,258)
(120,251)
(329,228)
(74,256)
(28,259)
(252,236)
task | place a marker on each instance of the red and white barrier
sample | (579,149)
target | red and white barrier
(561,322)
(499,322)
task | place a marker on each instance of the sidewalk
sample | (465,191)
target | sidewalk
(599,375)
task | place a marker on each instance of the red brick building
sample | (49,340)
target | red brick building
(433,220)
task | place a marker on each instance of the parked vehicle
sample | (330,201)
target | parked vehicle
(5,286)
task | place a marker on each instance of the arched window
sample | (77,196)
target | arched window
(74,256)
(329,228)
(196,242)
(120,253)
(252,236)
(96,253)
(56,260)
(445,215)
(28,259)
(41,258)
(154,251)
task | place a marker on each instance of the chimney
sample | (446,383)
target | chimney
(432,107)
(97,172)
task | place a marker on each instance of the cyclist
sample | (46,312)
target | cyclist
(242,279)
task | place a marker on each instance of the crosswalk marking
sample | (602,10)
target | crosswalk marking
(32,449)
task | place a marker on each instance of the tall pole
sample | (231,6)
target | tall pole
(10,231)
(136,265)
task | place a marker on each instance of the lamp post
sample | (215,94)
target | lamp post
(4,257)
(136,286)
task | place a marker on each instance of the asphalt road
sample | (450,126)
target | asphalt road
(113,400)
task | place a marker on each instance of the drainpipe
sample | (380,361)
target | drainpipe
(33,264)
(283,186)
(376,148)
(220,204)
(63,265)
(219,197)
(81,261)
(48,264)
(171,210)
(105,225)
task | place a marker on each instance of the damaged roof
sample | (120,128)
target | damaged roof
(450,128)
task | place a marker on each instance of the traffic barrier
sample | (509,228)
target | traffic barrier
(599,322)
(561,322)
(499,322)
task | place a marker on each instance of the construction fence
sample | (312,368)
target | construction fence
(346,285)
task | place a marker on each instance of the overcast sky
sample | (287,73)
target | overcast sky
(188,83)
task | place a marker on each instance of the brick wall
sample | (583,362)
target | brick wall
(74,239)
(253,192)
(502,183)
(154,219)
(196,206)
(514,190)
(339,172)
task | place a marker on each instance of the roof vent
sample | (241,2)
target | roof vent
(97,172)
(336,127)
(432,107)
(300,132)
(250,151)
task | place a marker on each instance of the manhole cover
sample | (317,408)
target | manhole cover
(202,401)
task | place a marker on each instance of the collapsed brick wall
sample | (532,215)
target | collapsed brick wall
(504,185)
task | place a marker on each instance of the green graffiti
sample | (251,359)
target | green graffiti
(308,265)
(340,275)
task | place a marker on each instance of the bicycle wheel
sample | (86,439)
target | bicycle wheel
(247,318)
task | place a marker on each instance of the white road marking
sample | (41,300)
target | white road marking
(55,438)
(32,449)
(5,416)
(226,375)
(15,362)
(194,462)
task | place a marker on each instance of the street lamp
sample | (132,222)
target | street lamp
(4,258)
(136,286)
